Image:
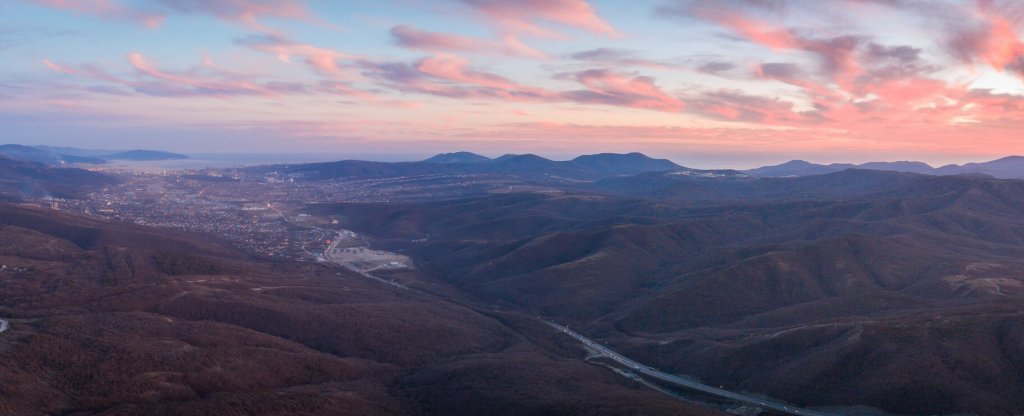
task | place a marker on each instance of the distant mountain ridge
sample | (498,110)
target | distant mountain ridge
(457,157)
(528,159)
(144,155)
(21,179)
(1010,167)
(588,167)
(610,165)
(584,167)
(60,156)
(44,156)
(624,164)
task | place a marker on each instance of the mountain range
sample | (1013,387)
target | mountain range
(607,165)
(1011,167)
(530,166)
(457,157)
(61,156)
(585,167)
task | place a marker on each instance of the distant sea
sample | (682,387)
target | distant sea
(229,160)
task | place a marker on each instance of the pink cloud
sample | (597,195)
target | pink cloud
(453,68)
(453,77)
(450,76)
(214,84)
(149,79)
(605,87)
(760,32)
(242,10)
(992,108)
(620,58)
(412,38)
(995,42)
(525,15)
(909,92)
(325,61)
(248,12)
(857,81)
(738,106)
(837,54)
(980,31)
(108,9)
(513,20)
(88,71)
(614,88)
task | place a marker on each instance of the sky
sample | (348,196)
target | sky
(720,83)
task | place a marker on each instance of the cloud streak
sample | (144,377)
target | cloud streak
(410,37)
(107,9)
(529,16)
(151,13)
(148,79)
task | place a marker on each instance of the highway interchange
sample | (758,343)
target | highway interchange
(641,369)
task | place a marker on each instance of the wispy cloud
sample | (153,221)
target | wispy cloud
(107,9)
(410,37)
(247,12)
(621,58)
(614,88)
(148,79)
(323,60)
(529,16)
(152,13)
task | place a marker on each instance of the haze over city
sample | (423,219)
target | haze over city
(704,83)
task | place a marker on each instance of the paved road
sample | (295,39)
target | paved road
(4,325)
(679,381)
(332,246)
(384,281)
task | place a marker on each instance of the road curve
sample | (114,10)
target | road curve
(682,382)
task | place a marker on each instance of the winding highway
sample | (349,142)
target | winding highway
(682,382)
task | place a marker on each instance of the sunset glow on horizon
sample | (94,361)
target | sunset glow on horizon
(705,83)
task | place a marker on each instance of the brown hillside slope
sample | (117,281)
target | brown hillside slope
(116,319)
(902,292)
